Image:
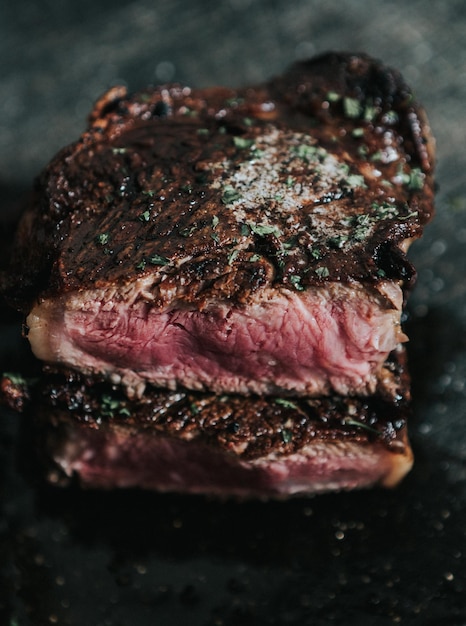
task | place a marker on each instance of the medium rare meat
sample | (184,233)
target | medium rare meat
(202,443)
(247,241)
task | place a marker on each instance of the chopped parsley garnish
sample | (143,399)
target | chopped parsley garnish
(157,259)
(295,280)
(322,272)
(145,217)
(348,421)
(15,378)
(309,153)
(416,179)
(102,239)
(230,195)
(232,256)
(338,241)
(264,229)
(333,96)
(391,117)
(243,143)
(254,258)
(111,406)
(351,107)
(355,180)
(287,435)
(186,232)
(370,113)
(215,221)
(288,404)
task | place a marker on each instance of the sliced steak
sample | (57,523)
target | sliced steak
(221,445)
(234,241)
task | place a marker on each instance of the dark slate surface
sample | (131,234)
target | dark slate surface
(376,557)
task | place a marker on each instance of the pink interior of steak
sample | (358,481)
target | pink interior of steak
(111,458)
(333,338)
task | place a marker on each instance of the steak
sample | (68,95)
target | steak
(249,241)
(181,441)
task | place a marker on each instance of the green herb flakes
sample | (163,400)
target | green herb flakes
(287,435)
(333,96)
(288,404)
(338,241)
(232,256)
(348,421)
(215,221)
(230,195)
(264,229)
(370,113)
(416,179)
(111,406)
(145,217)
(102,239)
(254,258)
(322,272)
(309,153)
(157,259)
(15,378)
(391,117)
(357,132)
(356,180)
(351,107)
(295,280)
(188,231)
(203,132)
(243,143)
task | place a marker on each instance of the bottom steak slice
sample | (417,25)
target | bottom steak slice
(222,445)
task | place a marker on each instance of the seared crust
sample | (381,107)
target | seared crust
(162,182)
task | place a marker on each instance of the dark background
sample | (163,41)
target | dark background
(114,559)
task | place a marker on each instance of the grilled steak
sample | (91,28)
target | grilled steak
(246,241)
(225,445)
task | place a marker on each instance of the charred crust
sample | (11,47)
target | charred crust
(153,170)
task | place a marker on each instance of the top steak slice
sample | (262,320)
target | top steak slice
(249,240)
